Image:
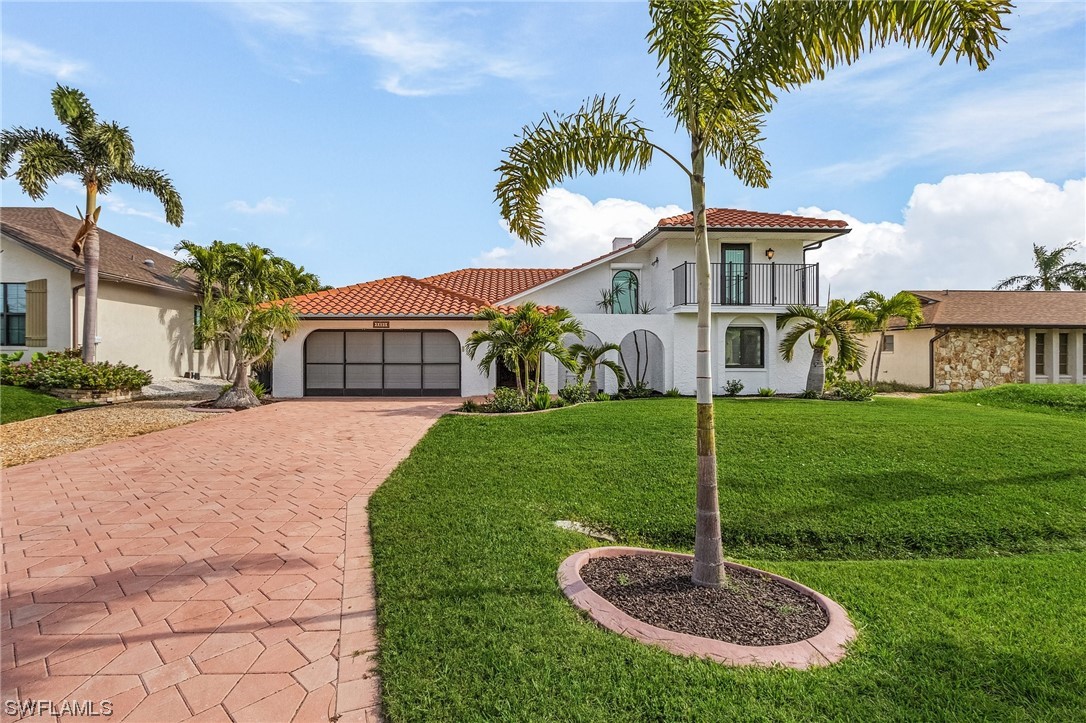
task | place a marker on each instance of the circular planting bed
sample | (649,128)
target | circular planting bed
(756,618)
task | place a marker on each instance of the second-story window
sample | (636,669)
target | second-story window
(624,290)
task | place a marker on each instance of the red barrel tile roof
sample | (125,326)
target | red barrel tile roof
(737,218)
(493,285)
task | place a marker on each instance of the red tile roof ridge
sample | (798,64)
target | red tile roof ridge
(741,218)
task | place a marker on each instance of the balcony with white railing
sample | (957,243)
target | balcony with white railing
(740,284)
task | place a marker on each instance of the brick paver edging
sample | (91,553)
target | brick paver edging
(826,648)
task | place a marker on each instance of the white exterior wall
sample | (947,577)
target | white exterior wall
(288,370)
(18,264)
(148,327)
(1076,352)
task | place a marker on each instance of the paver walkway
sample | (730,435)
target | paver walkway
(198,573)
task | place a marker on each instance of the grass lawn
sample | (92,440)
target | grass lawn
(955,536)
(19,403)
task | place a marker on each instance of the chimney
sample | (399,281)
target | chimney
(619,241)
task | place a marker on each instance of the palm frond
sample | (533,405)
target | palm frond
(159,184)
(73,110)
(41,162)
(787,346)
(599,137)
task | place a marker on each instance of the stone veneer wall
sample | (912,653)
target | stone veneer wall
(975,358)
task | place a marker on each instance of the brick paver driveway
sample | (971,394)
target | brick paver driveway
(200,572)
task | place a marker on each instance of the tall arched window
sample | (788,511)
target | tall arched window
(624,288)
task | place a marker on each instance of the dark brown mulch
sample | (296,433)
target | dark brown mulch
(751,609)
(210,404)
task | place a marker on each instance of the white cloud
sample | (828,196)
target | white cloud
(265,206)
(965,232)
(577,230)
(34,59)
(1041,120)
(434,51)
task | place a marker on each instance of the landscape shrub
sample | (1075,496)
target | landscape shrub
(732,387)
(766,392)
(541,400)
(470,405)
(673,392)
(603,397)
(507,400)
(637,391)
(809,394)
(854,392)
(575,393)
(66,370)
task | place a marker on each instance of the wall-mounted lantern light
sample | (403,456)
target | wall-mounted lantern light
(769,254)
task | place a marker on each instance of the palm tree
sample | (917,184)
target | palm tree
(299,280)
(836,326)
(589,358)
(901,305)
(1053,272)
(101,154)
(723,64)
(521,339)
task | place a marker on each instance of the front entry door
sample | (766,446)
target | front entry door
(735,274)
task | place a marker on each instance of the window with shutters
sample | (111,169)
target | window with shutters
(13,317)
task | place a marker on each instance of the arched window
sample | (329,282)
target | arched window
(624,288)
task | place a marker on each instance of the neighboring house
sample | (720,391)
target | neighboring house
(977,339)
(402,335)
(146,316)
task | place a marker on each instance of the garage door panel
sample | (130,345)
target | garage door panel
(324,346)
(441,376)
(403,347)
(403,376)
(324,376)
(364,376)
(440,347)
(363,347)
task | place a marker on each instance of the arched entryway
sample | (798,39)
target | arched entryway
(642,357)
(382,363)
(565,376)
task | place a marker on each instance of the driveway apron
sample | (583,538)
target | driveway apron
(218,571)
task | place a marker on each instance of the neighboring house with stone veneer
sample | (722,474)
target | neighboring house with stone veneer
(977,339)
(145,315)
(403,335)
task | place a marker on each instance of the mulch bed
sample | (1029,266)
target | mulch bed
(750,609)
(210,404)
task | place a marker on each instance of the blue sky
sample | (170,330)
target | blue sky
(360,139)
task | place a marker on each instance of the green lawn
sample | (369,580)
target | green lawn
(19,403)
(954,534)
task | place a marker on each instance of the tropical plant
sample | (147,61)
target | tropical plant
(603,397)
(732,387)
(673,392)
(902,305)
(638,390)
(521,339)
(541,400)
(766,392)
(589,359)
(239,285)
(66,370)
(100,154)
(576,393)
(853,391)
(508,400)
(837,326)
(1053,271)
(723,64)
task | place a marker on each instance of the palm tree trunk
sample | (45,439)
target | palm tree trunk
(708,551)
(91,258)
(878,359)
(816,376)
(240,395)
(872,372)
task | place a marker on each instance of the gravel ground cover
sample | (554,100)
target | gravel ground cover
(55,434)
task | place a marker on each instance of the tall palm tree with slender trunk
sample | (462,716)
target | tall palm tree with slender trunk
(1053,271)
(100,154)
(902,305)
(723,64)
(837,326)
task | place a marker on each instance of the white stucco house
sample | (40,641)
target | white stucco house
(146,316)
(405,336)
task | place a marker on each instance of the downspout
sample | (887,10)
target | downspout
(931,355)
(75,315)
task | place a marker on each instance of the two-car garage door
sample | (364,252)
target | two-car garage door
(373,363)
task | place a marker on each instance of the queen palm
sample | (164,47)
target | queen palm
(902,305)
(1053,271)
(589,359)
(837,326)
(100,154)
(723,64)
